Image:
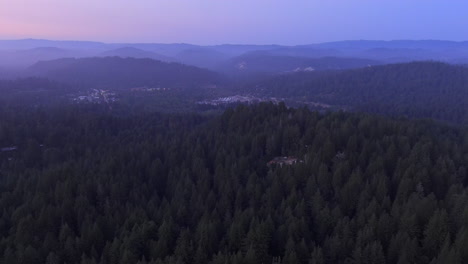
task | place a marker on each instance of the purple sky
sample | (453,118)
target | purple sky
(233,21)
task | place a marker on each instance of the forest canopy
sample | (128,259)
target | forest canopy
(86,186)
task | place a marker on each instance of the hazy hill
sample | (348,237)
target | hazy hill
(27,57)
(400,50)
(401,54)
(202,57)
(34,43)
(115,72)
(415,44)
(419,89)
(305,51)
(217,57)
(236,50)
(266,63)
(170,50)
(129,52)
(4,73)
(390,51)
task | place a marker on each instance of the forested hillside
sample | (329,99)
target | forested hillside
(420,89)
(82,186)
(116,72)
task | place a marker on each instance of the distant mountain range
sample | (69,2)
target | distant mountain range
(233,49)
(24,57)
(24,53)
(265,62)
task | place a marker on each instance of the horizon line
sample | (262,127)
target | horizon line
(226,43)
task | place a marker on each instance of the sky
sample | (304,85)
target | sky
(287,22)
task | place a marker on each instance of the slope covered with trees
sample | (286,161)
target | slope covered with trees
(87,187)
(419,89)
(116,72)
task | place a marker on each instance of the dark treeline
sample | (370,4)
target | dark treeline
(34,92)
(87,187)
(419,89)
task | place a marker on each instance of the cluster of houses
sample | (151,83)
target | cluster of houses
(237,99)
(7,149)
(306,69)
(280,161)
(97,96)
(148,89)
